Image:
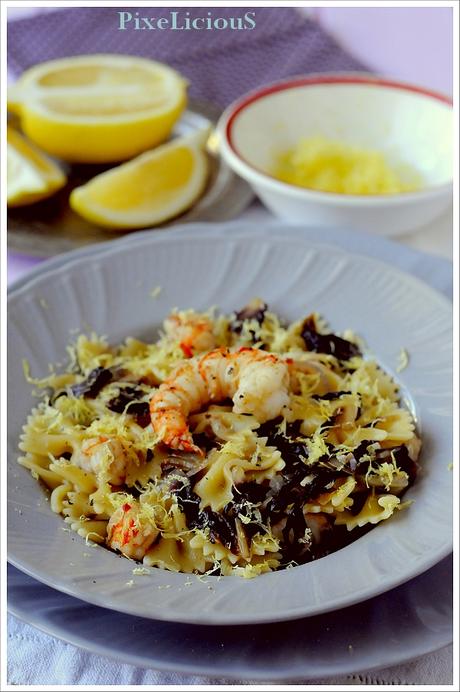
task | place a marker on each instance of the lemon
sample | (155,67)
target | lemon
(31,176)
(98,108)
(148,190)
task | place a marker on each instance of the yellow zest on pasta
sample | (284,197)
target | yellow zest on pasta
(375,509)
(231,445)
(243,459)
(58,497)
(336,501)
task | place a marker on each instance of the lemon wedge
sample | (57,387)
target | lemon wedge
(98,108)
(150,189)
(31,176)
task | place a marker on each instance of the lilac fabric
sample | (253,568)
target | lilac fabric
(220,64)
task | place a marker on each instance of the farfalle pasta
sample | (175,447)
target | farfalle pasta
(232,445)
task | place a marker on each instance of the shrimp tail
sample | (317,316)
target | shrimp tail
(183,442)
(172,429)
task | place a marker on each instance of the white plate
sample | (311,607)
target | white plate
(109,291)
(392,628)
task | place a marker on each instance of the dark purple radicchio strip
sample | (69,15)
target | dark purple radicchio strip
(327,343)
(93,384)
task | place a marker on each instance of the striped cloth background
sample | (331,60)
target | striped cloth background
(220,64)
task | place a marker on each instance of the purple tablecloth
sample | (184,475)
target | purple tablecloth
(220,64)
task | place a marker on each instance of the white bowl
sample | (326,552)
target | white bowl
(106,288)
(408,124)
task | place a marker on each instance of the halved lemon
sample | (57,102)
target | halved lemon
(31,176)
(98,108)
(150,189)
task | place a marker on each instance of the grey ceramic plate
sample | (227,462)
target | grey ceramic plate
(398,626)
(51,227)
(96,288)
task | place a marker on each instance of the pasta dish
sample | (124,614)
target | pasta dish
(232,445)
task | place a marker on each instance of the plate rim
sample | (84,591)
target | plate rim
(184,669)
(299,230)
(104,249)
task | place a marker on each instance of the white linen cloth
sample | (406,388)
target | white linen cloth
(35,658)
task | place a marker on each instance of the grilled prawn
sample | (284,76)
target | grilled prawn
(106,455)
(256,381)
(193,331)
(129,532)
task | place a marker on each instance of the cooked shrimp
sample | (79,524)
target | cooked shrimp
(256,381)
(193,331)
(111,455)
(129,532)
